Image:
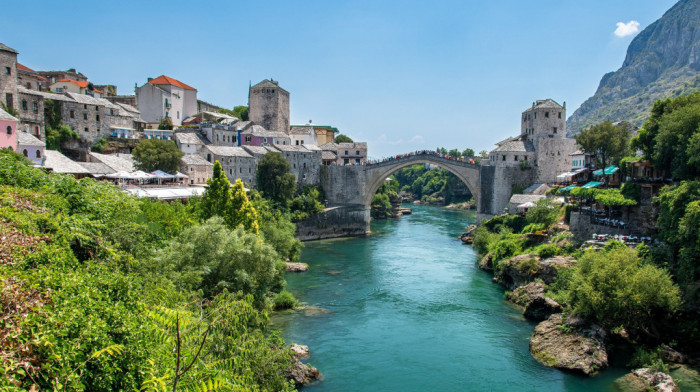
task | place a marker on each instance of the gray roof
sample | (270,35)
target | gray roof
(120,162)
(128,108)
(270,83)
(259,150)
(536,189)
(545,103)
(88,100)
(226,151)
(192,159)
(6,116)
(260,131)
(7,48)
(518,199)
(44,94)
(292,148)
(328,155)
(340,146)
(187,138)
(27,139)
(301,130)
(97,168)
(516,146)
(60,163)
(242,125)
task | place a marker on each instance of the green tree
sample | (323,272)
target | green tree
(306,204)
(468,152)
(545,213)
(155,154)
(274,179)
(212,257)
(608,142)
(166,123)
(455,153)
(613,288)
(54,137)
(230,203)
(240,112)
(342,139)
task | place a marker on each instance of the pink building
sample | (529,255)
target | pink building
(256,135)
(8,130)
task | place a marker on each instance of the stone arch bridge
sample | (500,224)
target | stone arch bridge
(349,191)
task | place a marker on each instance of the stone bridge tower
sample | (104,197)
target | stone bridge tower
(269,106)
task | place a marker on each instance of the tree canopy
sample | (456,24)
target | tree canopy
(240,112)
(671,136)
(274,179)
(230,203)
(156,154)
(342,139)
(166,123)
(607,141)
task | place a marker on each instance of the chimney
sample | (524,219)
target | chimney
(149,79)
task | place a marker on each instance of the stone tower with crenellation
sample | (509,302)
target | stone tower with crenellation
(269,106)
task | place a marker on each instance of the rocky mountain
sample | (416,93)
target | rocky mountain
(662,61)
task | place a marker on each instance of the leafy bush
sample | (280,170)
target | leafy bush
(545,213)
(285,300)
(532,227)
(548,250)
(651,359)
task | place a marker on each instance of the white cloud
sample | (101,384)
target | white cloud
(417,139)
(625,29)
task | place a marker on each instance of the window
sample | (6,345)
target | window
(111,112)
(546,114)
(35,107)
(8,71)
(357,152)
(516,158)
(38,153)
(24,104)
(178,114)
(26,154)
(346,152)
(8,100)
(357,160)
(304,165)
(85,106)
(234,139)
(84,116)
(535,115)
(555,129)
(97,108)
(559,114)
(209,157)
(86,130)
(247,138)
(504,158)
(302,142)
(97,117)
(264,140)
(9,130)
(72,114)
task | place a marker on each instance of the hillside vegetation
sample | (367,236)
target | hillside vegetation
(101,291)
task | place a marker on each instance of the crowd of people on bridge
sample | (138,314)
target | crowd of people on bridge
(421,152)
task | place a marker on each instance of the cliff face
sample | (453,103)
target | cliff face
(662,61)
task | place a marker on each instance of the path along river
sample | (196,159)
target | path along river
(406,309)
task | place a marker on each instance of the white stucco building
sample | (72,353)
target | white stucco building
(166,97)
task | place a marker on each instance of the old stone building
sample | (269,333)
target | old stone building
(306,164)
(30,79)
(269,106)
(348,153)
(256,135)
(54,76)
(225,134)
(31,111)
(198,169)
(235,162)
(8,76)
(321,134)
(189,142)
(542,145)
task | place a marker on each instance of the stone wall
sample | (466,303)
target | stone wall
(31,113)
(8,80)
(333,223)
(496,188)
(553,158)
(269,107)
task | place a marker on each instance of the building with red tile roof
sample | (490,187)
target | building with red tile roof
(166,97)
(30,79)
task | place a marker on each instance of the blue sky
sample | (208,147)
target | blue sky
(401,75)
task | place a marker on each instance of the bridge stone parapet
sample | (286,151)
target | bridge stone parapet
(352,187)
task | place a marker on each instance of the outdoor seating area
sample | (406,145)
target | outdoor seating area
(623,238)
(141,178)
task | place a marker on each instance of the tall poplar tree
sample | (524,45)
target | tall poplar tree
(231,204)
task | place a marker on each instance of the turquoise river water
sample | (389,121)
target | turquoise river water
(406,309)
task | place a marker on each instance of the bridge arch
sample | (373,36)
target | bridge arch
(466,172)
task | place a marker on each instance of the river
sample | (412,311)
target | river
(406,309)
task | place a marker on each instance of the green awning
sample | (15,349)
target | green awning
(591,184)
(568,188)
(612,169)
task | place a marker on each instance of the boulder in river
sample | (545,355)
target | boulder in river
(646,379)
(532,298)
(302,374)
(297,267)
(575,347)
(300,351)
